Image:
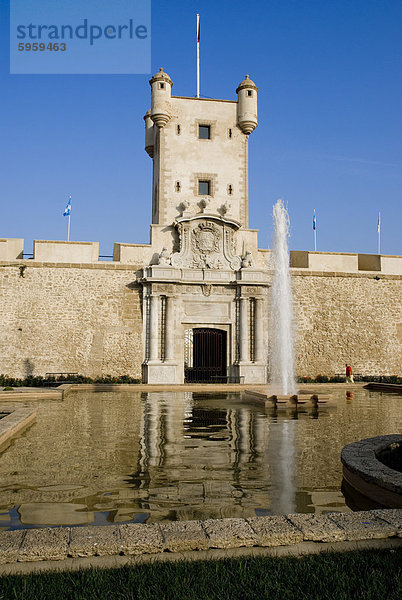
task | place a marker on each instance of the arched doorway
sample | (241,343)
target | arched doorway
(205,355)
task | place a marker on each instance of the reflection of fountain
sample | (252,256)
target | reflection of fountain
(281,347)
(281,452)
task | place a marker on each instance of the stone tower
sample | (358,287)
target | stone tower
(204,251)
(199,149)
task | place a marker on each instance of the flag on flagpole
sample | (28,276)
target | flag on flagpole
(198,28)
(314,221)
(67,210)
(379,222)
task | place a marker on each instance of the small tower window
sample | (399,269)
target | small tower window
(177,186)
(178,129)
(230,134)
(204,187)
(249,92)
(204,132)
(230,189)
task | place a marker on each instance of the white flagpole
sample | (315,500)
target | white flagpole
(379,232)
(198,55)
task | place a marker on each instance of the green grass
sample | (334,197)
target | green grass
(368,575)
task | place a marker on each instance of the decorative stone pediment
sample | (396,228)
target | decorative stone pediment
(206,242)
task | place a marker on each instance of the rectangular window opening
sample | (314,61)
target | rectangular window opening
(249,92)
(204,132)
(204,187)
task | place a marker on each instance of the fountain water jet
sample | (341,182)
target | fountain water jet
(281,355)
(281,393)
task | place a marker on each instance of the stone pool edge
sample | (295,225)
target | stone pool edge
(62,391)
(64,547)
(16,422)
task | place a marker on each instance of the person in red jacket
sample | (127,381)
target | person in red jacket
(349,374)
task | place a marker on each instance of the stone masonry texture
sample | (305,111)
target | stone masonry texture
(353,319)
(88,319)
(70,319)
(136,539)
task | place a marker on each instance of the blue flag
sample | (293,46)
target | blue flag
(67,210)
(314,222)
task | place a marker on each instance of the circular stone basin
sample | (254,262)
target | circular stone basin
(392,456)
(373,468)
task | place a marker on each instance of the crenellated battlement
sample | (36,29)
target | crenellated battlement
(53,251)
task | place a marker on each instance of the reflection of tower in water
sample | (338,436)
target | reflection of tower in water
(200,458)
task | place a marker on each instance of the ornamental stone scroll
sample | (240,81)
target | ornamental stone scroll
(206,244)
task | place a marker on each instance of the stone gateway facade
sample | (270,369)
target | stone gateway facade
(194,304)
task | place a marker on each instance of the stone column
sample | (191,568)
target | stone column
(244,341)
(170,329)
(154,328)
(259,330)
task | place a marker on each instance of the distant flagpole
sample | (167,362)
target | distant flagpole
(67,213)
(315,231)
(379,232)
(198,56)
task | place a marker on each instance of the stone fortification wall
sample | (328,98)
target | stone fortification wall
(350,317)
(69,318)
(87,318)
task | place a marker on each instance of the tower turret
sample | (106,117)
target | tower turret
(161,86)
(247,106)
(149,134)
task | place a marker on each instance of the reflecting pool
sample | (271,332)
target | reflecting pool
(100,458)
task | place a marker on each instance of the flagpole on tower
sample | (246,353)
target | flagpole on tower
(198,55)
(68,228)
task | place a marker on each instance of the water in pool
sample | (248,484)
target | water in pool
(118,457)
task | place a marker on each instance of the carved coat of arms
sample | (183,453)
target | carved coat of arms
(204,245)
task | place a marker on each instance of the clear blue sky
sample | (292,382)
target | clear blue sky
(329,134)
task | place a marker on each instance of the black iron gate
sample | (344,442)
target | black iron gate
(206,361)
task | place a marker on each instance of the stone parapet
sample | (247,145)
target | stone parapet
(65,252)
(341,262)
(11,248)
(138,254)
(81,254)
